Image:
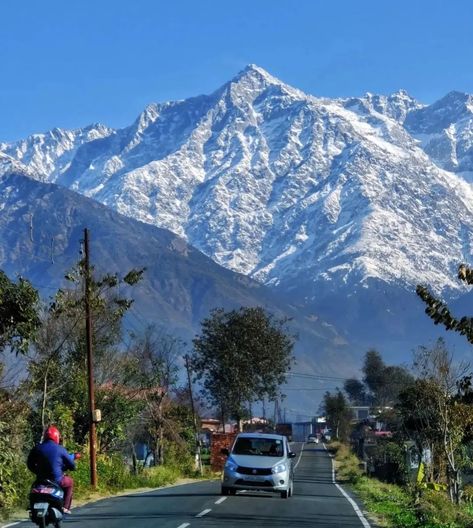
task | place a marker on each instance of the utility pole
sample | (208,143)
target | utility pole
(90,365)
(196,436)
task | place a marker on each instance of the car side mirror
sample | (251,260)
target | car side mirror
(224,451)
(291,454)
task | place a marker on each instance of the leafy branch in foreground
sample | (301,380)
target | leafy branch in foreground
(440,313)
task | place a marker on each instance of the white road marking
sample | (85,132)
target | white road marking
(354,505)
(11,524)
(300,456)
(184,525)
(219,501)
(202,513)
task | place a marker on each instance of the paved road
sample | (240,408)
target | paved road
(317,501)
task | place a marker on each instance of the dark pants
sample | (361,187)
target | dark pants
(67,484)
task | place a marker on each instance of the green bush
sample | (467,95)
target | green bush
(15,479)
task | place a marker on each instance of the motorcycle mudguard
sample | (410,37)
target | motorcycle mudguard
(55,514)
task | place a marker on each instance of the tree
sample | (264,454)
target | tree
(419,419)
(19,321)
(384,382)
(338,414)
(19,318)
(356,392)
(156,357)
(57,370)
(240,357)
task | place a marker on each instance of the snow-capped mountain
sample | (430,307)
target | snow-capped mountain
(301,193)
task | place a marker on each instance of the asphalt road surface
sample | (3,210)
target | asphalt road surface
(317,502)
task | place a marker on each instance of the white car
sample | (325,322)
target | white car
(312,439)
(260,462)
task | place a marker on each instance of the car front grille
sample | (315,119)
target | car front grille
(253,471)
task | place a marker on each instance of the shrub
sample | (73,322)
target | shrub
(114,475)
(15,479)
(348,464)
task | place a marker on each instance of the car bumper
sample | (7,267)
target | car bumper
(273,482)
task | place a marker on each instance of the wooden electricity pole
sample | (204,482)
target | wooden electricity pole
(90,365)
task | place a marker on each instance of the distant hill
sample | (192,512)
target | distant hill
(41,226)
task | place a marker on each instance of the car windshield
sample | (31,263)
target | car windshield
(259,446)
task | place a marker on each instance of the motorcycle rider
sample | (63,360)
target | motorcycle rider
(48,461)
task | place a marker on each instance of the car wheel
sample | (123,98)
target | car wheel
(285,494)
(232,491)
(291,489)
(225,490)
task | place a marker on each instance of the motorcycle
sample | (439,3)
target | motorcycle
(46,504)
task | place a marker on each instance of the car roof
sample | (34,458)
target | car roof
(261,435)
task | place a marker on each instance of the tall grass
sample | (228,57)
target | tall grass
(114,475)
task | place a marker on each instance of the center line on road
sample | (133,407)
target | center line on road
(202,513)
(219,501)
(184,525)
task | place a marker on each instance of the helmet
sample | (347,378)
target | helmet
(52,433)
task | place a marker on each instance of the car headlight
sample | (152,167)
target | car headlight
(279,468)
(230,465)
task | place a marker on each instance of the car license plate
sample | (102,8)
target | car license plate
(256,478)
(40,506)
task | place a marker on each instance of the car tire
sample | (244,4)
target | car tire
(285,494)
(291,489)
(225,490)
(232,491)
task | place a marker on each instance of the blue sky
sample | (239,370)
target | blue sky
(68,64)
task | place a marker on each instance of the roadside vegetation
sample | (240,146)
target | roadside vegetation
(410,461)
(395,506)
(150,419)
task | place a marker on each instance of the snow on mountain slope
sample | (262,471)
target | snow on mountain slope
(48,155)
(445,131)
(280,185)
(396,106)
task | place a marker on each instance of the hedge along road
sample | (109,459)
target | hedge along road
(317,501)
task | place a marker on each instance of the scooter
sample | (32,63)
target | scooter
(46,504)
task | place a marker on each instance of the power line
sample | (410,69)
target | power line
(318,377)
(309,388)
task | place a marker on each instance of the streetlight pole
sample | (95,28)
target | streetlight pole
(90,365)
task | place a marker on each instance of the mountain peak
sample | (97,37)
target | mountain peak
(254,69)
(254,73)
(253,80)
